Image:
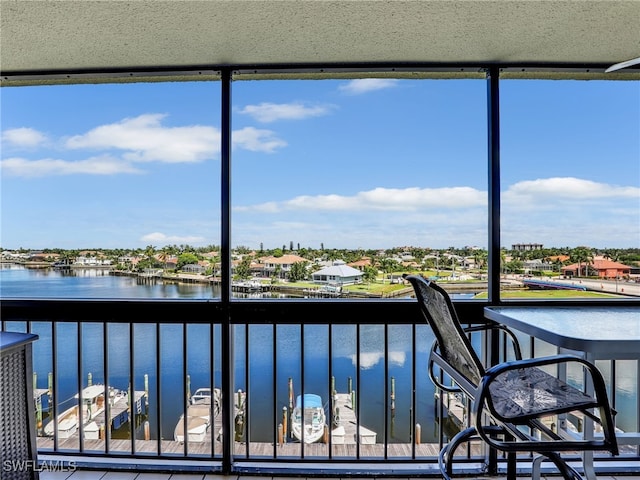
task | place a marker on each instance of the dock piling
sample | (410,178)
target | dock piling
(393,394)
(146,389)
(284,422)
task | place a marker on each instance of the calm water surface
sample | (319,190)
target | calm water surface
(261,374)
(258,378)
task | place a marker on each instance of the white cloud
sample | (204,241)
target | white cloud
(550,191)
(270,112)
(569,210)
(571,187)
(142,139)
(161,238)
(23,137)
(145,139)
(104,165)
(257,140)
(365,85)
(381,199)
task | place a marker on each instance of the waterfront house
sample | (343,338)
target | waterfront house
(361,264)
(91,261)
(280,266)
(602,267)
(536,265)
(193,268)
(337,274)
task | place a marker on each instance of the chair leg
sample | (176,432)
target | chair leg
(568,472)
(511,466)
(536,466)
(445,459)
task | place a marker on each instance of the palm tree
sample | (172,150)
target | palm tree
(388,265)
(580,255)
(370,274)
(150,252)
(298,271)
(165,253)
(612,254)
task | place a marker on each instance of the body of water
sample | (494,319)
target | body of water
(264,369)
(257,378)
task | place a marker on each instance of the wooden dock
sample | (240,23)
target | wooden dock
(343,431)
(119,415)
(256,449)
(344,442)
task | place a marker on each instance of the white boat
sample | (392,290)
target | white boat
(198,423)
(248,286)
(202,395)
(92,406)
(310,426)
(206,397)
(203,401)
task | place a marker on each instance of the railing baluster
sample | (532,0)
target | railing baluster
(185,373)
(414,386)
(107,404)
(274,386)
(132,390)
(247,403)
(330,383)
(302,385)
(212,370)
(158,389)
(385,435)
(357,406)
(79,389)
(53,409)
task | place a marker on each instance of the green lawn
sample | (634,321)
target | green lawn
(547,294)
(379,288)
(375,288)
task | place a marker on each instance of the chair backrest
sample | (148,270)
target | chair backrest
(454,345)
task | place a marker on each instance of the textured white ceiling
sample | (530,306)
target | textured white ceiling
(77,35)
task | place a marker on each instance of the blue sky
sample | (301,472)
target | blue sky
(372,163)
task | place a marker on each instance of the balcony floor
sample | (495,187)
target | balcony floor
(110,475)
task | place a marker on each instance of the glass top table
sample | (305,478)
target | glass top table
(591,332)
(597,332)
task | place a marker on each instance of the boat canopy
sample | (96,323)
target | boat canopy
(91,392)
(311,400)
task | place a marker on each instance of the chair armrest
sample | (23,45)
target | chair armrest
(496,370)
(434,378)
(600,401)
(497,326)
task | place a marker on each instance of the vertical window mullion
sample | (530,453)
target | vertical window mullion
(225,265)
(493,132)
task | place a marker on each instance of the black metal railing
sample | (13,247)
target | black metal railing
(146,360)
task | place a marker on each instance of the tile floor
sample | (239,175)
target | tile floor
(103,475)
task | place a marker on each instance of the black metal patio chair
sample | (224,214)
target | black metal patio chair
(512,403)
